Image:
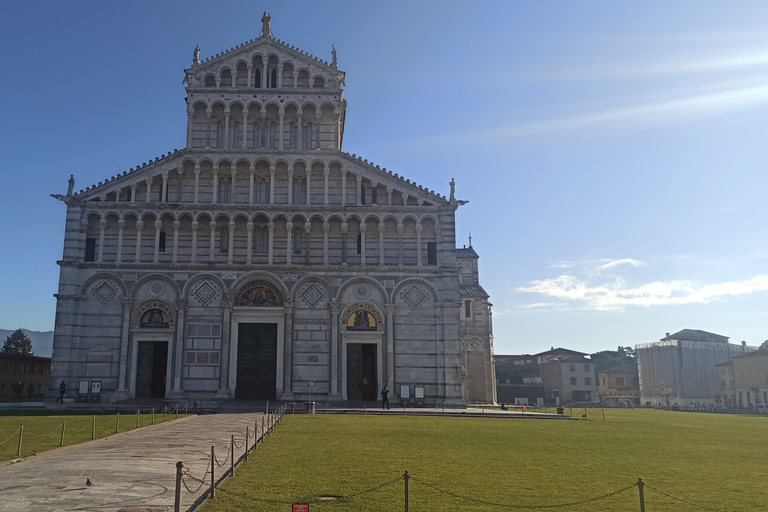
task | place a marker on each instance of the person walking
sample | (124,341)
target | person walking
(385,397)
(62,390)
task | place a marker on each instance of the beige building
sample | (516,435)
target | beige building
(744,379)
(620,385)
(32,372)
(262,259)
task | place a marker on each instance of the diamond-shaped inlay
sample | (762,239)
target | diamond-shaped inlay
(474,345)
(414,296)
(205,293)
(104,292)
(311,295)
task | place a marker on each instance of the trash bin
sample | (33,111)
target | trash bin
(309,407)
(561,410)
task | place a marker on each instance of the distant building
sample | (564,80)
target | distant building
(681,368)
(569,378)
(518,378)
(559,375)
(744,379)
(32,371)
(620,384)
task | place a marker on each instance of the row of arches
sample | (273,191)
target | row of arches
(264,72)
(252,125)
(206,238)
(224,182)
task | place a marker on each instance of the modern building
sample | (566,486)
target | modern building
(681,368)
(620,385)
(262,261)
(744,379)
(518,379)
(32,372)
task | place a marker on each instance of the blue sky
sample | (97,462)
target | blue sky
(613,153)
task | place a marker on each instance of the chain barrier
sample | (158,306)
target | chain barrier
(238,446)
(12,436)
(229,452)
(89,426)
(529,507)
(681,500)
(57,429)
(185,472)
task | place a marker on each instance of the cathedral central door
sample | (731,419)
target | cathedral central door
(256,361)
(151,369)
(361,371)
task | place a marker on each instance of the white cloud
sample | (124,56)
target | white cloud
(613,293)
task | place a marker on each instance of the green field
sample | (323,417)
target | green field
(690,462)
(42,429)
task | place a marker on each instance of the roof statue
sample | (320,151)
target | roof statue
(70,188)
(453,190)
(196,56)
(266,24)
(334,63)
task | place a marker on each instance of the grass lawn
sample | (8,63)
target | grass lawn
(42,429)
(717,461)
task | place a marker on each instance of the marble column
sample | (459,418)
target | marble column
(359,180)
(158,229)
(181,312)
(272,171)
(176,228)
(139,229)
(251,183)
(249,251)
(197,183)
(290,185)
(343,187)
(270,256)
(344,230)
(120,230)
(326,175)
(308,198)
(382,227)
(149,189)
(212,251)
(215,190)
(363,229)
(195,227)
(418,244)
(326,229)
(287,391)
(400,229)
(102,228)
(231,247)
(233,186)
(288,244)
(307,234)
(224,391)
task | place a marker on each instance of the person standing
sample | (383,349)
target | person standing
(62,390)
(385,397)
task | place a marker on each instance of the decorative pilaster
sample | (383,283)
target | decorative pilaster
(158,228)
(215,185)
(343,187)
(363,229)
(178,352)
(249,251)
(418,244)
(102,228)
(224,391)
(327,176)
(344,230)
(212,252)
(197,183)
(308,200)
(400,229)
(148,181)
(176,228)
(164,190)
(272,171)
(326,229)
(231,247)
(139,229)
(270,256)
(287,391)
(121,393)
(290,184)
(195,226)
(359,180)
(334,377)
(233,186)
(288,240)
(251,180)
(390,310)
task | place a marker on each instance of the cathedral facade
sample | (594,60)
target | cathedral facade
(262,261)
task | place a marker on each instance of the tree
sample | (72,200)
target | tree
(18,343)
(608,359)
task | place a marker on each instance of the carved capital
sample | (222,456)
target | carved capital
(335,307)
(158,224)
(176,225)
(326,227)
(390,308)
(139,225)
(127,303)
(182,305)
(195,226)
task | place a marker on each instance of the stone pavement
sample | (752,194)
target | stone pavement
(133,471)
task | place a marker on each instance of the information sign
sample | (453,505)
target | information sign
(300,507)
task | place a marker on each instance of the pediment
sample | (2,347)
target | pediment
(265,47)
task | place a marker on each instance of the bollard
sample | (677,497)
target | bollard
(185,409)
(153,415)
(406,477)
(165,410)
(364,411)
(603,414)
(177,497)
(640,485)
(262,428)
(213,467)
(255,433)
(21,435)
(137,418)
(246,442)
(267,410)
(63,426)
(117,423)
(93,428)
(232,459)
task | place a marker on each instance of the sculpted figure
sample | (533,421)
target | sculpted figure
(266,24)
(196,56)
(71,186)
(453,190)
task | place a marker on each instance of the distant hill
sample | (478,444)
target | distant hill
(42,342)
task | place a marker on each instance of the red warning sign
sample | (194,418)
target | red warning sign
(300,508)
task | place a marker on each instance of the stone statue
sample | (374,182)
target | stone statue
(453,190)
(333,54)
(266,24)
(71,185)
(196,56)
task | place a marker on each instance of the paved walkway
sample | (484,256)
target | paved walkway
(134,471)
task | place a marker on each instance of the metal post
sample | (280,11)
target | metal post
(603,414)
(153,415)
(482,407)
(213,467)
(640,485)
(63,426)
(246,442)
(177,498)
(262,428)
(21,436)
(364,411)
(137,418)
(177,411)
(117,423)
(255,433)
(267,410)
(165,410)
(406,476)
(93,428)
(232,451)
(185,409)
